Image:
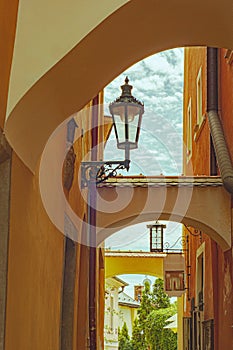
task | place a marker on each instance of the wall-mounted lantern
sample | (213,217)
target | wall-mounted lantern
(127,113)
(156,236)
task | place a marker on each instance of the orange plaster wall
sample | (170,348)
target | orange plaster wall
(225,300)
(77,200)
(226,98)
(208,284)
(74,196)
(195,57)
(218,265)
(8,17)
(198,165)
(36,258)
(195,243)
(225,265)
(34,268)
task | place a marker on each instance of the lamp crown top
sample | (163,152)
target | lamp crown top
(126,96)
(126,89)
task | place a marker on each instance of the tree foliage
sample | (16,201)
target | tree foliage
(148,328)
(124,339)
(144,310)
(154,310)
(160,298)
(156,335)
(138,339)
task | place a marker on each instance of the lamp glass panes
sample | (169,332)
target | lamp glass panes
(127,113)
(156,236)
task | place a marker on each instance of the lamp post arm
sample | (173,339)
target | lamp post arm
(101,170)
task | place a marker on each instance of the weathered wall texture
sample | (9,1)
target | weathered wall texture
(226,98)
(224,277)
(8,18)
(199,163)
(218,296)
(47,298)
(5,182)
(34,268)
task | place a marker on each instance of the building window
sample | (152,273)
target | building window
(200,119)
(200,273)
(199,97)
(189,131)
(200,280)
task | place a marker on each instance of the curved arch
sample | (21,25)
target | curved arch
(133,263)
(178,203)
(130,34)
(121,224)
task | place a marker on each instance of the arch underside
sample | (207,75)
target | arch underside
(134,265)
(205,208)
(131,33)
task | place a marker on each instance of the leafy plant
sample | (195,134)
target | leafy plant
(124,339)
(155,332)
(154,310)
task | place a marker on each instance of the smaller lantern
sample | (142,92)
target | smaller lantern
(156,236)
(127,113)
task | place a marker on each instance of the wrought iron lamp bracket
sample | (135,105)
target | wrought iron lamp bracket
(100,171)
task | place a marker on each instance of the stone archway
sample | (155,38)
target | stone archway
(140,263)
(125,36)
(125,203)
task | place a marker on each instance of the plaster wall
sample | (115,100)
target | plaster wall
(112,316)
(224,307)
(217,264)
(86,69)
(224,266)
(226,98)
(34,268)
(47,300)
(77,200)
(127,315)
(8,17)
(37,51)
(194,60)
(5,176)
(133,265)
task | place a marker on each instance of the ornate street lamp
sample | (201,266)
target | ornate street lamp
(126,112)
(156,236)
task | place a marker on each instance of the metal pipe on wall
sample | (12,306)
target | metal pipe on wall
(216,129)
(92,228)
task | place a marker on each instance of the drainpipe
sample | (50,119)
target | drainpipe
(216,129)
(92,230)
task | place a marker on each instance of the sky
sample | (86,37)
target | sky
(158,82)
